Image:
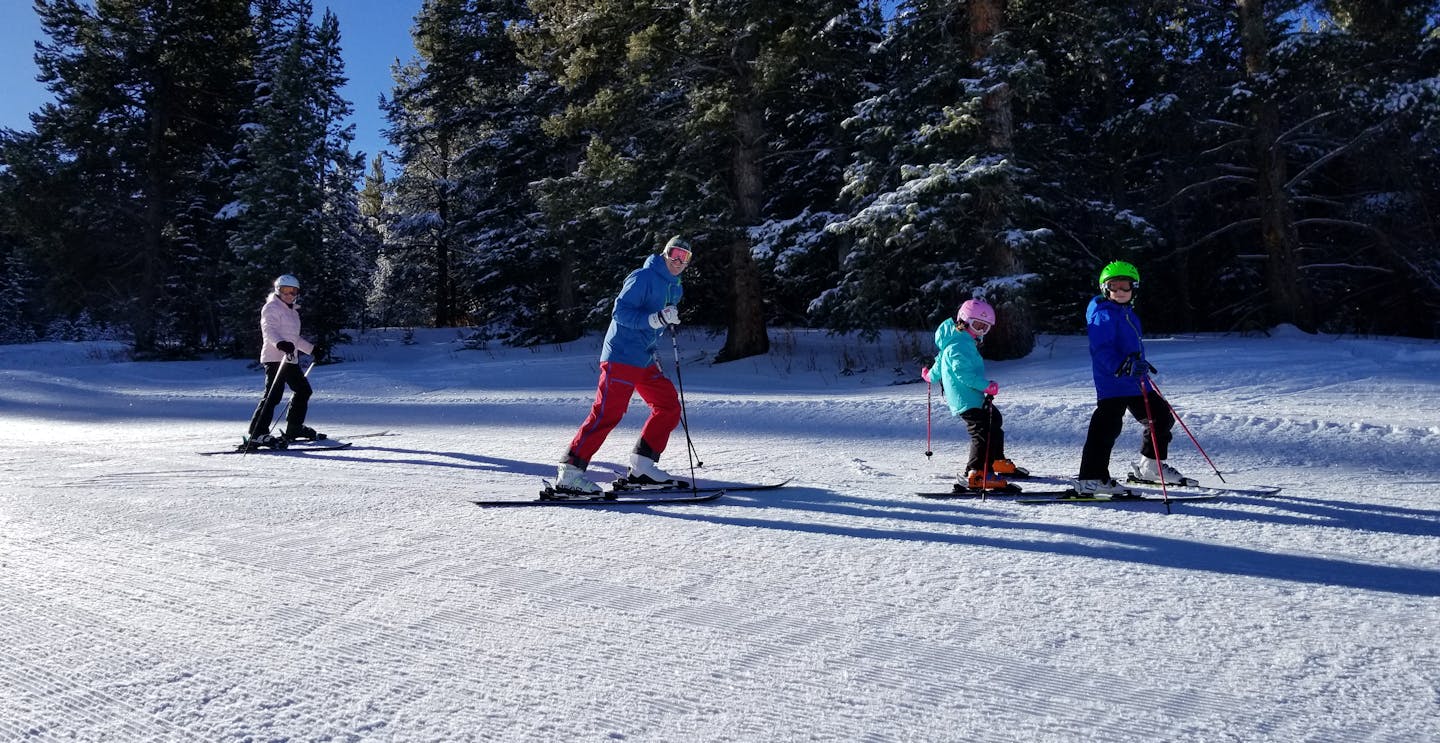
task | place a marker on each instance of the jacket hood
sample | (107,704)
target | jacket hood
(948,333)
(656,263)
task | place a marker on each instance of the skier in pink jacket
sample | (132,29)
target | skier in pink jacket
(279,353)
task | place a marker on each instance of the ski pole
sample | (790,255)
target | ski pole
(989,431)
(690,452)
(929,406)
(269,387)
(1186,428)
(1154,441)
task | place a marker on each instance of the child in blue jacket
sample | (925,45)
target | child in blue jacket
(961,374)
(1119,368)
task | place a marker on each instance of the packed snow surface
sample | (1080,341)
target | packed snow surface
(150,593)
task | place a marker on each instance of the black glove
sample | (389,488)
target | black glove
(1132,366)
(286,346)
(1139,367)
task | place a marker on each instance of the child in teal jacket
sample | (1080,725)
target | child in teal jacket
(961,374)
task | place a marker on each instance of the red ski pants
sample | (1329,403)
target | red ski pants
(612,397)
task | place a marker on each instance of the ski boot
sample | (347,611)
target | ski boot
(1007,468)
(644,471)
(1106,488)
(571,484)
(263,441)
(1148,470)
(977,481)
(303,433)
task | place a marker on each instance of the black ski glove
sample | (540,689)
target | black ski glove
(1134,365)
(286,346)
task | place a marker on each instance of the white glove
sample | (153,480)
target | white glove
(668,316)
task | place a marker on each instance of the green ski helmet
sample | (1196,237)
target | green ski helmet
(1119,270)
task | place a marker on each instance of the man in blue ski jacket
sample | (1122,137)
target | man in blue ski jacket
(645,306)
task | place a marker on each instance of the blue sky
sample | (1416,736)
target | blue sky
(374,33)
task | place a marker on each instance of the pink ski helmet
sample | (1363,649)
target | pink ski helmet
(976,309)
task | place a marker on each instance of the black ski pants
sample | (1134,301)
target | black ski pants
(1106,423)
(986,435)
(290,375)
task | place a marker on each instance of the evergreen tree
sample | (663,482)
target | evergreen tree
(371,203)
(1263,161)
(596,201)
(16,294)
(466,225)
(938,201)
(347,247)
(296,209)
(807,158)
(434,114)
(1290,298)
(1361,137)
(682,97)
(1113,115)
(146,93)
(22,213)
(372,195)
(1311,147)
(521,266)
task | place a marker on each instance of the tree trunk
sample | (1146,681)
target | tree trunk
(746,335)
(152,260)
(569,323)
(987,18)
(1290,300)
(444,293)
(1014,333)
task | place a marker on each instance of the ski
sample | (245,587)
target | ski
(606,501)
(362,436)
(319,444)
(1147,498)
(1154,487)
(618,487)
(1256,490)
(973,494)
(302,450)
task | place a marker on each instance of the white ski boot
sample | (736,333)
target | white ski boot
(1148,470)
(1099,489)
(571,484)
(644,471)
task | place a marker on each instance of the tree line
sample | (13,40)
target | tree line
(836,163)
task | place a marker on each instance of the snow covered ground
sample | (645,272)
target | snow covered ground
(150,593)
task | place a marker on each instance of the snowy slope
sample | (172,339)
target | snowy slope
(149,593)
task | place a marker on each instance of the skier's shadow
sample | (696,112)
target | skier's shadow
(424,458)
(1293,510)
(1290,510)
(998,528)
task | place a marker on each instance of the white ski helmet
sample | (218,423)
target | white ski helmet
(286,279)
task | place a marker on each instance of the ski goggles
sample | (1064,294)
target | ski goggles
(678,256)
(980,326)
(1120,285)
